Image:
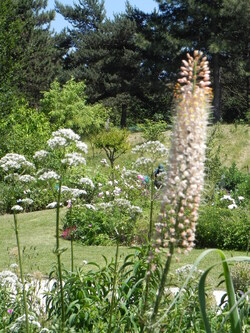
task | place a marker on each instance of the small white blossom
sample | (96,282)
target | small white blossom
(241,198)
(74,159)
(87,181)
(232,206)
(27,201)
(104,162)
(89,206)
(11,162)
(14,266)
(77,193)
(15,328)
(227,197)
(26,179)
(49,175)
(82,146)
(143,161)
(57,142)
(117,191)
(8,278)
(52,205)
(40,155)
(66,133)
(17,208)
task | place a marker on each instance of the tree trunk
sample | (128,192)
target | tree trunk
(217,89)
(124,116)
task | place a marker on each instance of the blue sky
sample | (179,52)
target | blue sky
(112,6)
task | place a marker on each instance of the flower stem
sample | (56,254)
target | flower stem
(162,286)
(72,252)
(151,208)
(114,288)
(58,253)
(21,274)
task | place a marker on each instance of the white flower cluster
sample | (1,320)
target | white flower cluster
(87,182)
(41,155)
(143,161)
(229,198)
(73,159)
(8,279)
(26,179)
(17,208)
(26,201)
(89,206)
(73,192)
(186,269)
(63,137)
(57,142)
(52,205)
(152,148)
(13,162)
(66,133)
(123,204)
(104,162)
(17,325)
(82,146)
(49,175)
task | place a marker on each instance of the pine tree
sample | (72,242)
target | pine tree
(39,58)
(212,27)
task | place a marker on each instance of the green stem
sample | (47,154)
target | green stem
(71,243)
(161,287)
(151,208)
(114,288)
(72,252)
(21,274)
(58,253)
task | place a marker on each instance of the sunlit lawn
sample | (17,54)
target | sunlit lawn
(37,230)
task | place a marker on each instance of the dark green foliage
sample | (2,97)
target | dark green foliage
(224,229)
(221,30)
(38,56)
(234,180)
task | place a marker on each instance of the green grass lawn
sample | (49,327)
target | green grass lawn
(37,230)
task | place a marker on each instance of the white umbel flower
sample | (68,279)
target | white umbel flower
(49,175)
(40,155)
(66,133)
(73,159)
(13,162)
(17,208)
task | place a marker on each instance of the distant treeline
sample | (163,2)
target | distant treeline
(128,64)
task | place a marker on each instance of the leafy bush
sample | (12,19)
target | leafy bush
(98,226)
(240,273)
(153,130)
(223,228)
(88,295)
(29,131)
(232,178)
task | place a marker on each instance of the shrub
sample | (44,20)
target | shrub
(153,130)
(101,227)
(240,273)
(223,228)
